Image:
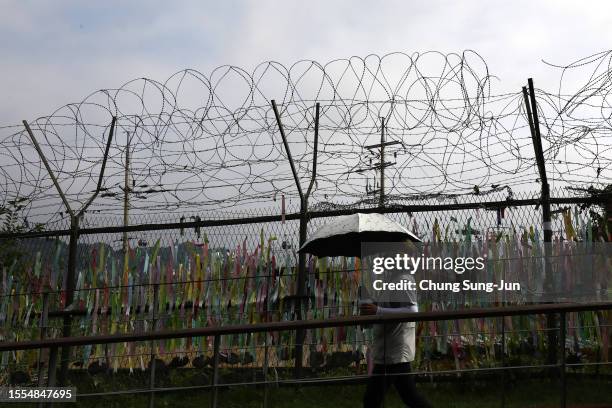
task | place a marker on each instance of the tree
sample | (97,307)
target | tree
(12,223)
(601,218)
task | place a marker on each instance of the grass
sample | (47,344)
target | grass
(519,393)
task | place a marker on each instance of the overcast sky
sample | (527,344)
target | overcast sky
(56,52)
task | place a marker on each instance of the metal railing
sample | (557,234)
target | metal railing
(216,332)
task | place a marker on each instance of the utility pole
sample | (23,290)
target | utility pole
(381,200)
(382,164)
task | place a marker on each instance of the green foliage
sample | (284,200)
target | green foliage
(601,216)
(12,222)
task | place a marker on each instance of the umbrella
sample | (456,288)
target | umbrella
(344,235)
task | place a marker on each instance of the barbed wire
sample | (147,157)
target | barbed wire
(200,142)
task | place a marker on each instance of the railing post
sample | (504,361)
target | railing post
(215,376)
(265,362)
(265,370)
(44,321)
(563,324)
(51,369)
(503,371)
(153,324)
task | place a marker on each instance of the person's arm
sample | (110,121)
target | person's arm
(395,310)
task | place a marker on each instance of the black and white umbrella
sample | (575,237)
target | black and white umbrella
(344,235)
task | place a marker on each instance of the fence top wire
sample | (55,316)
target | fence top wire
(200,142)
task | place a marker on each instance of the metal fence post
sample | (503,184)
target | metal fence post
(300,334)
(70,283)
(534,126)
(301,284)
(74,237)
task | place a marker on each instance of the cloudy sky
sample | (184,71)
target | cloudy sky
(57,52)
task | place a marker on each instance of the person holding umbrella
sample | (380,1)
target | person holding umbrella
(394,344)
(393,351)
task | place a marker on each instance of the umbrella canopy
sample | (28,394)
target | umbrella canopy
(344,235)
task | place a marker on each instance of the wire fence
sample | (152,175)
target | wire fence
(196,141)
(145,209)
(212,274)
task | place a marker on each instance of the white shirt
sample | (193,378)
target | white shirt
(394,343)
